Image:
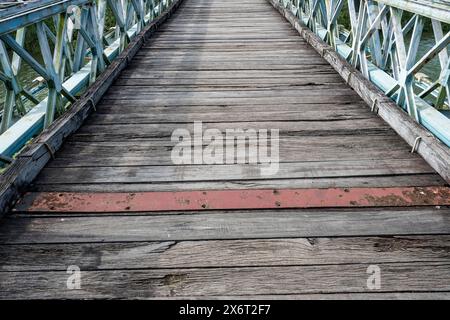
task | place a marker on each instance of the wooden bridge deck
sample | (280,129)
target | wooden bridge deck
(231,64)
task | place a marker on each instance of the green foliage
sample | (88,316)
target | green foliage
(344,17)
(31,42)
(110,21)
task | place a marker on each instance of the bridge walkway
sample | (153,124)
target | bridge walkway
(231,65)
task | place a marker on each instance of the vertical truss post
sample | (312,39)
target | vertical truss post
(410,60)
(13,88)
(118,12)
(8,107)
(97,47)
(444,78)
(58,54)
(80,47)
(53,82)
(375,46)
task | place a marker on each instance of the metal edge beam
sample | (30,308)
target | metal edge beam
(242,199)
(435,153)
(34,157)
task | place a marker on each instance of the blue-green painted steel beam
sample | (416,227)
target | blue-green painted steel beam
(20,16)
(91,44)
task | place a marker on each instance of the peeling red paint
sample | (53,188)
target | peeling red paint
(234,199)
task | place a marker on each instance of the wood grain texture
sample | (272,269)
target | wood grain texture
(224,253)
(292,149)
(128,173)
(230,64)
(412,180)
(226,225)
(410,277)
(215,63)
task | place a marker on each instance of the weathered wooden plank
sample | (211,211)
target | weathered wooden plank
(293,40)
(431,295)
(108,108)
(217,225)
(83,160)
(216,62)
(225,253)
(160,130)
(231,65)
(229,74)
(225,101)
(224,84)
(231,53)
(106,114)
(213,56)
(419,180)
(226,26)
(271,35)
(311,58)
(236,17)
(251,47)
(287,141)
(410,277)
(189,173)
(229,26)
(249,40)
(291,149)
(199,92)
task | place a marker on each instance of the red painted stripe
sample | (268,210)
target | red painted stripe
(234,199)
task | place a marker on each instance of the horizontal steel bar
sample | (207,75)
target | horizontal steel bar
(34,12)
(434,9)
(234,199)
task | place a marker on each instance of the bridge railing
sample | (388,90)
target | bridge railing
(387,41)
(67,43)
